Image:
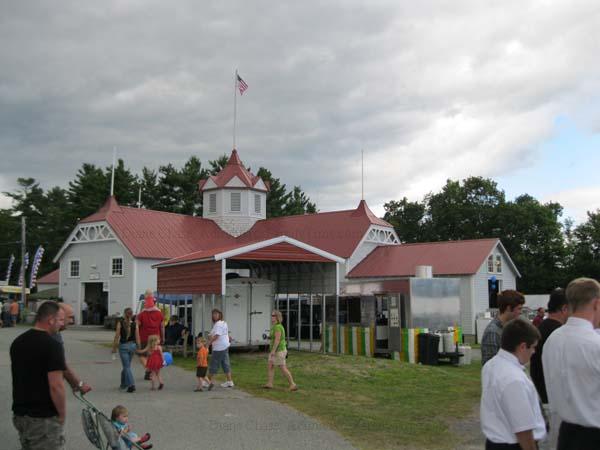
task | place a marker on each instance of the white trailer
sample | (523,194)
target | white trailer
(246,307)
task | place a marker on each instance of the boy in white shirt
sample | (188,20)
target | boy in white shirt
(511,417)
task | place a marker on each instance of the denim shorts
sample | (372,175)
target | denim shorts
(219,358)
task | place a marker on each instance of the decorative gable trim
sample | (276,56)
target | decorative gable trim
(235,182)
(210,184)
(260,185)
(375,236)
(86,233)
(381,235)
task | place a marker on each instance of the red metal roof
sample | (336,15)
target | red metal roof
(337,232)
(50,278)
(234,168)
(159,235)
(282,251)
(446,258)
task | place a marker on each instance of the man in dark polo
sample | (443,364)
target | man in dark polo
(37,365)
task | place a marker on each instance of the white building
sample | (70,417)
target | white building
(108,259)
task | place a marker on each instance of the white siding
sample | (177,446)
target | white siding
(360,253)
(506,278)
(235,222)
(466,305)
(145,276)
(97,254)
(44,287)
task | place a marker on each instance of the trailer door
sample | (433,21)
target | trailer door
(260,313)
(237,313)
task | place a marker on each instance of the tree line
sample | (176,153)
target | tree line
(547,252)
(51,215)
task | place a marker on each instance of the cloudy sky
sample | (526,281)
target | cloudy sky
(430,90)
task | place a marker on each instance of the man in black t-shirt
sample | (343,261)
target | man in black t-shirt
(37,365)
(558,313)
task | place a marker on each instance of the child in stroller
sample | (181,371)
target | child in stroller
(120,419)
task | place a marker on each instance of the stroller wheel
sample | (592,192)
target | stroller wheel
(90,429)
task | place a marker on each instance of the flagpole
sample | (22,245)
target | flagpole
(23,246)
(362,174)
(234,105)
(112,177)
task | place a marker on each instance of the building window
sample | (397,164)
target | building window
(491,263)
(236,202)
(74,268)
(257,203)
(498,264)
(212,203)
(116,267)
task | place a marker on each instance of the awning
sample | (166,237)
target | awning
(13,290)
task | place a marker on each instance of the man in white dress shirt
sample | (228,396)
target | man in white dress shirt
(511,416)
(571,362)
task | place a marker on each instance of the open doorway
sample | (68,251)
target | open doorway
(97,301)
(493,289)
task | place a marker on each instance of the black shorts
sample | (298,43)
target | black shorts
(201,372)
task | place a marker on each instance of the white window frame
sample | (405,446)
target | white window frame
(112,259)
(212,203)
(498,264)
(239,194)
(257,203)
(71,261)
(490,264)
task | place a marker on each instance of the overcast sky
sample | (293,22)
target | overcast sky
(430,90)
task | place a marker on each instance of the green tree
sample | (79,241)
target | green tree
(150,189)
(191,198)
(31,202)
(216,165)
(533,235)
(88,191)
(464,210)
(10,230)
(298,203)
(125,186)
(178,189)
(408,219)
(584,246)
(277,197)
(59,224)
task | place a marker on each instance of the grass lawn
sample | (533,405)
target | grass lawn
(375,403)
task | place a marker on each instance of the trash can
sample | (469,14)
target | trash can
(428,348)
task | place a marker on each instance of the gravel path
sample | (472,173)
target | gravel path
(178,418)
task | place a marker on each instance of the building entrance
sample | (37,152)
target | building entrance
(97,301)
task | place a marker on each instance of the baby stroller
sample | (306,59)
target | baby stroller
(99,429)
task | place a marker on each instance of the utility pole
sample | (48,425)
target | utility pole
(24,286)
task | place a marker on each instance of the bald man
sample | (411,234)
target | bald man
(74,381)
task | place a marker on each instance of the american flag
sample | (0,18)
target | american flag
(242,86)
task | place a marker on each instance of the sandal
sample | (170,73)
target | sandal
(266,386)
(293,388)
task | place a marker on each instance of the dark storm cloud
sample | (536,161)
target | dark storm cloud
(429,91)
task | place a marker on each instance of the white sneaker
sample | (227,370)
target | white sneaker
(227,384)
(204,384)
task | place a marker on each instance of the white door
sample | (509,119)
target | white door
(236,313)
(260,313)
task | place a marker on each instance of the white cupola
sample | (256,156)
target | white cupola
(235,199)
